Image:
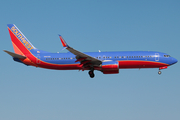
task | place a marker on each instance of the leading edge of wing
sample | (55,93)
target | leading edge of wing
(78,53)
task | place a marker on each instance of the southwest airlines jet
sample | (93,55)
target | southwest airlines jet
(106,62)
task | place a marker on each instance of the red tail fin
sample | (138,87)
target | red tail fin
(21,44)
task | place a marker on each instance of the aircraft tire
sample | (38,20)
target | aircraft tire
(91,74)
(159,72)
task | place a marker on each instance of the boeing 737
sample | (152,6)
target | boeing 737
(106,62)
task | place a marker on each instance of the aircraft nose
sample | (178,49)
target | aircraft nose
(174,60)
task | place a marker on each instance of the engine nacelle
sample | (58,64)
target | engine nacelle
(111,67)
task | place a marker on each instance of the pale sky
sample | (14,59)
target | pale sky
(29,93)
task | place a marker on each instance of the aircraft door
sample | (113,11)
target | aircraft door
(156,56)
(38,59)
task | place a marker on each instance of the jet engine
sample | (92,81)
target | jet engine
(110,67)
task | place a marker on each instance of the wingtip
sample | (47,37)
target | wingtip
(63,41)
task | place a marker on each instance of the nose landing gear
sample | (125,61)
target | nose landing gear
(164,67)
(159,72)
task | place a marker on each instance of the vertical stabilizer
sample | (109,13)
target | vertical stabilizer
(21,44)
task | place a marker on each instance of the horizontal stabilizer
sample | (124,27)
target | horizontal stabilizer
(14,55)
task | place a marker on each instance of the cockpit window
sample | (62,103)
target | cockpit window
(166,55)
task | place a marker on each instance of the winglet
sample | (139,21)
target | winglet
(63,41)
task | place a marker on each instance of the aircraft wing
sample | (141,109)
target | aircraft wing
(82,57)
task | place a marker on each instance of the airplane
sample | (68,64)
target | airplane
(106,62)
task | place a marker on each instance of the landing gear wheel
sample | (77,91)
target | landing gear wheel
(91,73)
(159,72)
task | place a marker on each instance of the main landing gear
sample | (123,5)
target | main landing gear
(91,73)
